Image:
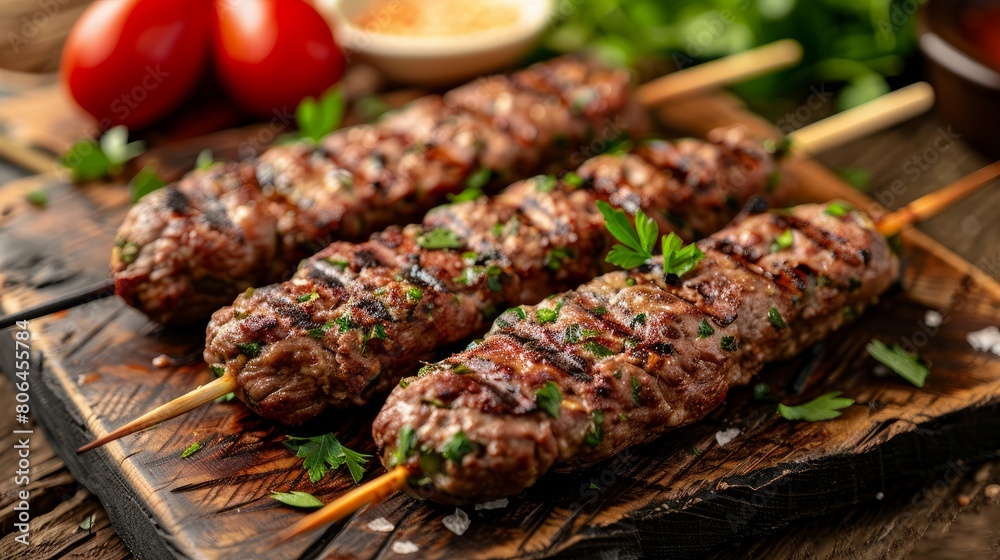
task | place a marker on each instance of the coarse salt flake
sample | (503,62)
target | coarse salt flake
(933,319)
(381,525)
(457,522)
(404,547)
(723,437)
(986,340)
(495,504)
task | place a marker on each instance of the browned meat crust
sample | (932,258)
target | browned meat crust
(357,317)
(190,248)
(629,355)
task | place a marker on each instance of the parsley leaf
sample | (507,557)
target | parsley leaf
(775,317)
(325,453)
(407,441)
(38,197)
(637,241)
(479,179)
(728,343)
(249,349)
(145,182)
(296,498)
(600,350)
(191,450)
(704,329)
(783,241)
(457,447)
(909,366)
(439,238)
(204,160)
(838,209)
(548,398)
(824,407)
(678,259)
(596,436)
(545,183)
(89,160)
(317,118)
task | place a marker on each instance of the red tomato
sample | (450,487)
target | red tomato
(272,53)
(132,61)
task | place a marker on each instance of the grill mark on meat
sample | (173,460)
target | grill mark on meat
(830,241)
(325,273)
(175,201)
(423,278)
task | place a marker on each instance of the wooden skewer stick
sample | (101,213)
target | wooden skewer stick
(370,492)
(932,204)
(100,290)
(204,394)
(722,72)
(380,488)
(857,122)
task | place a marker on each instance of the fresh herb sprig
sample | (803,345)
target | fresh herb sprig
(638,241)
(823,407)
(89,160)
(325,453)
(318,117)
(297,499)
(910,367)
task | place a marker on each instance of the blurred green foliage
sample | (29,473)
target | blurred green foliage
(854,45)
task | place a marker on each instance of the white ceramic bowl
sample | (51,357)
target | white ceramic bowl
(442,59)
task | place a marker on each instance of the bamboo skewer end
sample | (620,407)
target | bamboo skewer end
(370,492)
(202,395)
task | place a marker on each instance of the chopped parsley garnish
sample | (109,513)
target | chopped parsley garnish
(599,350)
(824,407)
(414,293)
(145,182)
(339,264)
(728,343)
(519,312)
(497,229)
(545,183)
(548,315)
(910,367)
(320,331)
(636,389)
(596,436)
(783,241)
(249,349)
(838,209)
(128,251)
(219,371)
(773,181)
(318,117)
(378,331)
(407,445)
(89,160)
(439,238)
(344,323)
(630,281)
(466,195)
(599,310)
(853,284)
(191,450)
(639,319)
(636,242)
(325,453)
(457,447)
(478,180)
(548,398)
(38,197)
(204,160)
(774,316)
(554,258)
(704,329)
(679,259)
(461,368)
(298,499)
(573,180)
(304,298)
(761,391)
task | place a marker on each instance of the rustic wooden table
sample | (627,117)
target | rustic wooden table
(955,514)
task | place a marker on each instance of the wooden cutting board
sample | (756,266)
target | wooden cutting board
(682,496)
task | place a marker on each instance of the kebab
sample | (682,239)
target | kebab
(632,354)
(356,318)
(190,248)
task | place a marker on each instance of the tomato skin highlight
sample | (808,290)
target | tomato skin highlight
(270,54)
(131,62)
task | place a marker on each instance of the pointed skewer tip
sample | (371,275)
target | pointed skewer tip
(185,403)
(368,493)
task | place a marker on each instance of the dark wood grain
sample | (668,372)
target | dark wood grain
(682,496)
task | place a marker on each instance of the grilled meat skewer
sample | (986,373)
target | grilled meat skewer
(630,355)
(357,317)
(190,248)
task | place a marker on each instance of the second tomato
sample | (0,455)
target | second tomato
(270,54)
